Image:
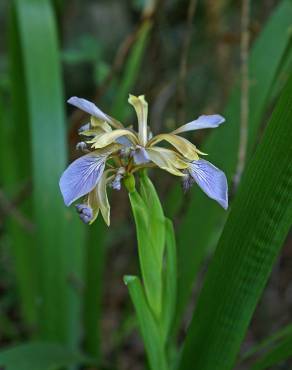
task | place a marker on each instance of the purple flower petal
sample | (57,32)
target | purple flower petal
(205,121)
(89,108)
(81,177)
(211,180)
(140,155)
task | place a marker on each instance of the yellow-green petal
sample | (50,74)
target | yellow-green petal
(102,198)
(186,148)
(97,123)
(93,204)
(167,159)
(141,107)
(102,140)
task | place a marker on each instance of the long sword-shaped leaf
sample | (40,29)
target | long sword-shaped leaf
(95,259)
(275,356)
(59,252)
(39,356)
(253,235)
(152,337)
(204,217)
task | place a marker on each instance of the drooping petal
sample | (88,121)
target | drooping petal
(93,204)
(204,121)
(102,140)
(102,198)
(185,147)
(81,177)
(211,180)
(93,110)
(141,107)
(167,160)
(140,155)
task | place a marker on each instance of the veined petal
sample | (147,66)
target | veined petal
(211,180)
(107,138)
(141,107)
(186,148)
(167,160)
(204,121)
(81,177)
(93,110)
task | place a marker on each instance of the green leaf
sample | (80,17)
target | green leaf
(203,215)
(153,339)
(170,279)
(268,342)
(156,217)
(58,237)
(275,356)
(39,356)
(150,262)
(259,221)
(95,259)
(15,176)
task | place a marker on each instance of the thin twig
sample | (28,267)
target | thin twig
(244,101)
(181,88)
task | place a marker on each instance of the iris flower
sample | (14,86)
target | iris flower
(114,151)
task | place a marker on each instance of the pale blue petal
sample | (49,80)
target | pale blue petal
(81,177)
(205,121)
(123,140)
(84,127)
(140,156)
(211,180)
(89,108)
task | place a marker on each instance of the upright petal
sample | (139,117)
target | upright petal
(205,121)
(211,180)
(81,177)
(141,107)
(93,110)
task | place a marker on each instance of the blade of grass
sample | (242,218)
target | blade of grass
(268,342)
(275,356)
(222,145)
(39,355)
(15,176)
(58,238)
(253,235)
(95,259)
(170,279)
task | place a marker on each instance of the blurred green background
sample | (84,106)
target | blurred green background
(61,281)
